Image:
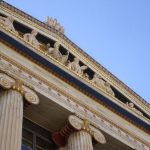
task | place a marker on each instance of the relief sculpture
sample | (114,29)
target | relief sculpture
(55,53)
(31,37)
(75,66)
(98,80)
(8,22)
(131,106)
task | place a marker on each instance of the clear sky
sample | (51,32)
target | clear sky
(114,32)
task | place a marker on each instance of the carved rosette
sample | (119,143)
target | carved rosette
(8,82)
(79,124)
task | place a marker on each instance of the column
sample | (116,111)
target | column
(11,111)
(78,134)
(80,140)
(11,116)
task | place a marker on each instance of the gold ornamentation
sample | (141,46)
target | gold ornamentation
(79,124)
(30,39)
(72,66)
(95,112)
(18,86)
(78,52)
(86,126)
(9,83)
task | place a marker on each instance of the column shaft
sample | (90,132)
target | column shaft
(80,140)
(11,117)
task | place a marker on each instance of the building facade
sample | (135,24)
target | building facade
(55,96)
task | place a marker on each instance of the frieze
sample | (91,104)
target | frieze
(69,103)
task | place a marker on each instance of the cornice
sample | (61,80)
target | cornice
(80,77)
(109,108)
(77,51)
(80,110)
(58,64)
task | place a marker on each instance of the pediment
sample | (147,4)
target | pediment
(54,49)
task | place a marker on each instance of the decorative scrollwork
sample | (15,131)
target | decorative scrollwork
(99,137)
(30,96)
(75,122)
(79,124)
(6,81)
(9,83)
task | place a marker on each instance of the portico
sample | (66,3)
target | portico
(54,96)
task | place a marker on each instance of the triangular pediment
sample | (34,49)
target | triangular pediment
(46,44)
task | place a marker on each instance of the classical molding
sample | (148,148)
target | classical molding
(76,124)
(70,103)
(79,124)
(106,90)
(8,82)
(77,51)
(61,61)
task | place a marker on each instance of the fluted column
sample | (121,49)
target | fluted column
(11,111)
(80,140)
(78,134)
(11,115)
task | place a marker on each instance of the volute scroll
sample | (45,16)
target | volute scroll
(8,82)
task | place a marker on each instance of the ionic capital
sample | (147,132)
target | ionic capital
(79,124)
(8,82)
(75,124)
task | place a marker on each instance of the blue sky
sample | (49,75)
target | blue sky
(114,32)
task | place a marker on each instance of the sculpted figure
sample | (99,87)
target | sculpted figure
(86,75)
(109,89)
(131,105)
(75,66)
(54,23)
(98,80)
(64,58)
(8,22)
(31,37)
(54,51)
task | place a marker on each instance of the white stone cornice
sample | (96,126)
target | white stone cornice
(44,30)
(68,103)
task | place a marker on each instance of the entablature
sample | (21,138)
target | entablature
(100,116)
(54,37)
(47,31)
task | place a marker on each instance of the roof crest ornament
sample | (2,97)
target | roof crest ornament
(54,24)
